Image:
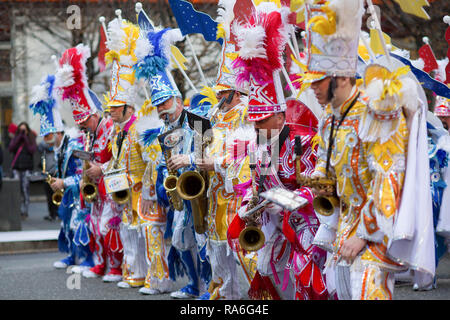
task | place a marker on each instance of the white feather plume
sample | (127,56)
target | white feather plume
(440,72)
(143,46)
(419,63)
(169,38)
(39,92)
(115,35)
(64,76)
(409,95)
(348,17)
(225,15)
(150,121)
(251,41)
(73,132)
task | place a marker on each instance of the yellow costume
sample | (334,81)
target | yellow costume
(224,203)
(130,158)
(369,174)
(154,222)
(121,55)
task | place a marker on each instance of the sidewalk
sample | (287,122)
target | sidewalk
(37,234)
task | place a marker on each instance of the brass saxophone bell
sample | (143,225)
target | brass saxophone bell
(325,205)
(251,238)
(89,192)
(57,197)
(121,197)
(191,186)
(170,185)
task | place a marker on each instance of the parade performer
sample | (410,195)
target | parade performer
(288,235)
(362,150)
(442,111)
(177,157)
(438,153)
(153,215)
(226,115)
(66,183)
(87,114)
(126,149)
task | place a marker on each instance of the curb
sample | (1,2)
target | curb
(16,242)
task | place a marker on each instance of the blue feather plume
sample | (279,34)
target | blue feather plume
(156,61)
(47,102)
(149,135)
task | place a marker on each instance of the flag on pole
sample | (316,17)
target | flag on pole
(425,79)
(192,21)
(376,44)
(102,50)
(414,7)
(447,38)
(427,55)
(176,54)
(143,21)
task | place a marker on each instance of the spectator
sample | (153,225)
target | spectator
(23,146)
(50,167)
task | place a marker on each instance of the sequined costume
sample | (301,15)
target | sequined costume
(134,265)
(369,171)
(438,153)
(105,215)
(184,257)
(224,204)
(288,250)
(154,66)
(69,168)
(153,223)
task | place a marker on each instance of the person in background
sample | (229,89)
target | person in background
(23,147)
(50,166)
(442,111)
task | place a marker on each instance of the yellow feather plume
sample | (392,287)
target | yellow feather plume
(322,25)
(210,95)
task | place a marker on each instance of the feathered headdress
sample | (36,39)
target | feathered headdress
(442,107)
(71,79)
(122,43)
(332,38)
(154,53)
(388,91)
(44,103)
(261,41)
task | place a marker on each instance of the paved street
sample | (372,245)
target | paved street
(31,277)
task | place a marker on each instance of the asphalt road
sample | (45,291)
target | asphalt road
(32,277)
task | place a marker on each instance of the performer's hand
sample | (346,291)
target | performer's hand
(94,172)
(146,206)
(352,247)
(321,193)
(178,161)
(58,184)
(206,164)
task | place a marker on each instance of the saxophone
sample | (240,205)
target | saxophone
(89,190)
(324,205)
(170,182)
(251,237)
(192,186)
(122,196)
(58,194)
